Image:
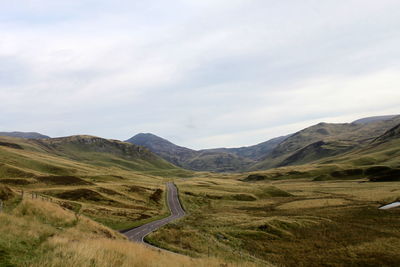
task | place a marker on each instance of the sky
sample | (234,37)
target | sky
(202,74)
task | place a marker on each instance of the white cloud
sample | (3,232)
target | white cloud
(202,73)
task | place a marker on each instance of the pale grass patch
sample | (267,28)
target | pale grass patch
(313,203)
(49,211)
(12,227)
(381,245)
(105,252)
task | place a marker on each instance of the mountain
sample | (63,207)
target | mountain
(26,135)
(202,160)
(374,119)
(378,160)
(255,152)
(217,161)
(325,140)
(77,156)
(164,148)
(310,144)
(103,152)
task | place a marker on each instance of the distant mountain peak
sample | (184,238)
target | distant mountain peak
(26,135)
(374,119)
(145,139)
(219,159)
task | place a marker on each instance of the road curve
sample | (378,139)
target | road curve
(137,234)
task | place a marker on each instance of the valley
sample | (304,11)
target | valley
(310,144)
(313,199)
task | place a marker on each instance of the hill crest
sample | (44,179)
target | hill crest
(25,135)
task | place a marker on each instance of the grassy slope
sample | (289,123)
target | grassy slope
(81,154)
(38,233)
(355,164)
(106,186)
(305,146)
(217,162)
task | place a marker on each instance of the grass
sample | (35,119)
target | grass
(295,222)
(39,233)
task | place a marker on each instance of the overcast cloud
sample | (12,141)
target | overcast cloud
(199,73)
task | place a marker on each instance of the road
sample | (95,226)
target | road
(138,234)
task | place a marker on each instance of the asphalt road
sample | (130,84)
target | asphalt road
(138,234)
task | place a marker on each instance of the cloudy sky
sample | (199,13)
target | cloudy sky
(200,73)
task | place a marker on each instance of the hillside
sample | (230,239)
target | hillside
(164,148)
(103,152)
(26,135)
(217,161)
(378,161)
(76,155)
(255,152)
(374,119)
(391,134)
(308,145)
(324,140)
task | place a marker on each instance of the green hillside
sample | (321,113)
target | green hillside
(76,155)
(324,140)
(107,180)
(377,160)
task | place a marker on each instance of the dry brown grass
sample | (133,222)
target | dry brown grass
(294,222)
(313,203)
(39,233)
(106,252)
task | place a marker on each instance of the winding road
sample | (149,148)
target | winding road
(138,234)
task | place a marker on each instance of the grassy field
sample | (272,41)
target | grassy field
(323,214)
(40,233)
(295,222)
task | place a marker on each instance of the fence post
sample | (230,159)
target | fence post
(1,205)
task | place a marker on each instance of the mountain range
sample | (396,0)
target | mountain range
(305,146)
(148,151)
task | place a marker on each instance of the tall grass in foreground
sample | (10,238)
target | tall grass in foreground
(38,233)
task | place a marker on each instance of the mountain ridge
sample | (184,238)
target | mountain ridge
(74,155)
(198,160)
(307,145)
(25,135)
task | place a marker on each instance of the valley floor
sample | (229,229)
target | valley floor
(296,222)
